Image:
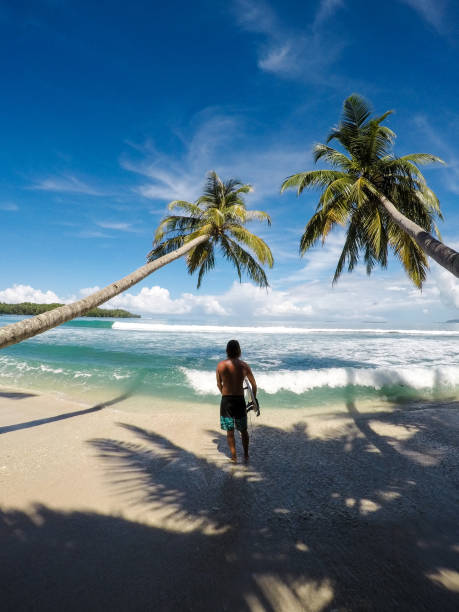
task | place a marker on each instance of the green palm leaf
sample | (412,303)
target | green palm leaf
(365,176)
(218,217)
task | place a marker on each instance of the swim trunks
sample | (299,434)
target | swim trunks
(233,413)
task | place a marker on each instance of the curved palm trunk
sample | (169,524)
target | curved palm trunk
(17,332)
(447,257)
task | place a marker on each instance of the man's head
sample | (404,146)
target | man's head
(233,350)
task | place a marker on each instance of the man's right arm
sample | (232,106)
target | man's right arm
(252,381)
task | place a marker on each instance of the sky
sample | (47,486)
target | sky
(110,110)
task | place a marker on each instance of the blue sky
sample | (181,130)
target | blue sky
(112,109)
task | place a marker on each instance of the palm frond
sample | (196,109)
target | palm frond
(220,214)
(255,243)
(313,178)
(422,159)
(353,191)
(315,230)
(350,252)
(189,207)
(334,157)
(165,247)
(202,257)
(246,262)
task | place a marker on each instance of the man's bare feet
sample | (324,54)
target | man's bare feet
(246,458)
(233,459)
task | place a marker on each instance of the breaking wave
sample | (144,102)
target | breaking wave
(228,329)
(302,381)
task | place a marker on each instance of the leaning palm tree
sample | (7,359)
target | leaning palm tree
(382,200)
(218,217)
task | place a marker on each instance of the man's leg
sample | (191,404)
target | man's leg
(245,443)
(231,444)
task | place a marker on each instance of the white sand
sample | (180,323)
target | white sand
(350,509)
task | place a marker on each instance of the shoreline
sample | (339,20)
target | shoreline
(352,508)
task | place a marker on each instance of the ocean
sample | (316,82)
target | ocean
(89,359)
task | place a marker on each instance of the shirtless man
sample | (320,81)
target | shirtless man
(230,379)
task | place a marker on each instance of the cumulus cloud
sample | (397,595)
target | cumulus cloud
(448,286)
(26,293)
(157,300)
(355,298)
(241,300)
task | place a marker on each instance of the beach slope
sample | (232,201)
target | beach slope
(107,506)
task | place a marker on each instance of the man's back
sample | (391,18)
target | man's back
(231,374)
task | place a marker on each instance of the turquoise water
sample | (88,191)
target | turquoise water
(293,366)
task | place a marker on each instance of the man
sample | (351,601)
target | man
(230,380)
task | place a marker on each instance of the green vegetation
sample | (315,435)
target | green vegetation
(383,201)
(220,214)
(29,308)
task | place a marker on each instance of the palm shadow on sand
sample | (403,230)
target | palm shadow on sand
(357,521)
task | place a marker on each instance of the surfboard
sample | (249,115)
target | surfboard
(251,401)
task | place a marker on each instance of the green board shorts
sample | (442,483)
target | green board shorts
(228,423)
(233,413)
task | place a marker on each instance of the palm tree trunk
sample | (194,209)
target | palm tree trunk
(447,257)
(17,332)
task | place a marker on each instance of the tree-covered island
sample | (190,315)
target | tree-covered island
(29,308)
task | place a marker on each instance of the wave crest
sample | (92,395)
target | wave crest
(302,381)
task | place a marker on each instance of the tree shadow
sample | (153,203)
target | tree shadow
(67,415)
(356,520)
(16,395)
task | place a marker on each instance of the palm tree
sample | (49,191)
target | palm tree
(217,218)
(382,200)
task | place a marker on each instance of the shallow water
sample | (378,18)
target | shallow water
(293,366)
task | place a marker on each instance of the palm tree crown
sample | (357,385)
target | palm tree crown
(363,179)
(220,214)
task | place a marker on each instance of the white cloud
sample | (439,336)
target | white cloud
(356,298)
(432,11)
(448,286)
(25,293)
(9,206)
(123,227)
(241,300)
(157,300)
(225,140)
(67,183)
(92,234)
(327,9)
(88,291)
(290,53)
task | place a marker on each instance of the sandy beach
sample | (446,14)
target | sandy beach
(114,507)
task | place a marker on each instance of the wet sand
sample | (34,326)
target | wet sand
(112,507)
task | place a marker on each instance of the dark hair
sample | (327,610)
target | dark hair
(233,349)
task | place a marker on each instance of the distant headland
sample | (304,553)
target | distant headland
(29,308)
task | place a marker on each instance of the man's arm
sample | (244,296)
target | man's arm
(219,380)
(252,381)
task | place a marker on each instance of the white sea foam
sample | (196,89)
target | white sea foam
(228,329)
(301,381)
